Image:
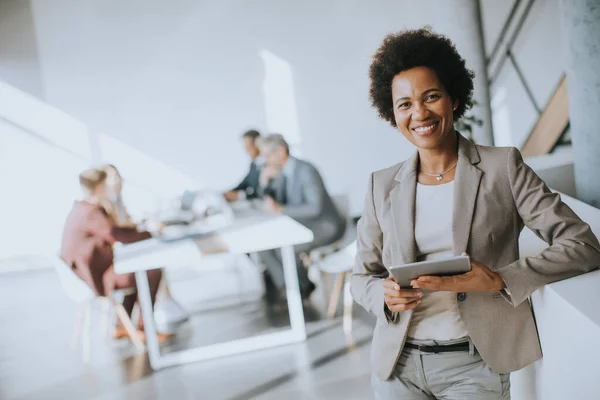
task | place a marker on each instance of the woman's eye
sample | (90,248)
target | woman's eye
(404,105)
(432,97)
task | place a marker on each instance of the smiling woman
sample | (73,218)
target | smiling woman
(463,336)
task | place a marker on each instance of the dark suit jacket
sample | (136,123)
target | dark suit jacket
(250,182)
(87,243)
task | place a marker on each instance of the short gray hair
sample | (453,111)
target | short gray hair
(273,141)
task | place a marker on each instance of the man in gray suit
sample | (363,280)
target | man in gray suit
(295,188)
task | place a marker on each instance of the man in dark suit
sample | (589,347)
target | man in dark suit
(248,187)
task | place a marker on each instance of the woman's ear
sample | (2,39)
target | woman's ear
(455,105)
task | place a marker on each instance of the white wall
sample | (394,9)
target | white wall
(181,80)
(19,61)
(42,150)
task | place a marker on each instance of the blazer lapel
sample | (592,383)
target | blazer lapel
(402,200)
(466,186)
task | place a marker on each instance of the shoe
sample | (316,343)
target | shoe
(162,337)
(120,333)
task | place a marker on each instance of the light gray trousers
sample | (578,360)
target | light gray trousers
(447,376)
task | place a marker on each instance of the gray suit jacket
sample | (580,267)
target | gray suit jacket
(496,193)
(306,200)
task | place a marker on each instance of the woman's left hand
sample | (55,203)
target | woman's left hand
(479,279)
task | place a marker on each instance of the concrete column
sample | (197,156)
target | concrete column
(581,30)
(460,20)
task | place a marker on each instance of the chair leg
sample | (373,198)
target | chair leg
(335,295)
(78,326)
(87,333)
(128,325)
(348,302)
(325,284)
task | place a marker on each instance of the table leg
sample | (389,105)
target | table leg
(141,278)
(294,299)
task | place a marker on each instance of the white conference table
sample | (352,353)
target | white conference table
(252,231)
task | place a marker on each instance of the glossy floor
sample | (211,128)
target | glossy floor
(36,361)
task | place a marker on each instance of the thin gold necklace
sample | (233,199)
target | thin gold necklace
(441,174)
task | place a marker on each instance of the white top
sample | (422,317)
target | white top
(437,317)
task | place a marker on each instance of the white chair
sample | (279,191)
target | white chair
(317,258)
(78,291)
(341,203)
(340,263)
(317,254)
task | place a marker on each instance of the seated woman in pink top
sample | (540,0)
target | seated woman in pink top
(87,244)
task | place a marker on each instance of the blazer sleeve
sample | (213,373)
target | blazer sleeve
(573,247)
(102,227)
(243,185)
(129,234)
(312,196)
(368,271)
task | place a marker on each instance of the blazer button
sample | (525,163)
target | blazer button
(461,296)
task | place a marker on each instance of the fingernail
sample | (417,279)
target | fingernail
(397,287)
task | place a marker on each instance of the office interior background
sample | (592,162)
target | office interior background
(164,90)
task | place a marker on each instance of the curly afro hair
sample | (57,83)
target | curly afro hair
(415,48)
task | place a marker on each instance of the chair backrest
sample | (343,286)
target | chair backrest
(342,203)
(339,261)
(74,287)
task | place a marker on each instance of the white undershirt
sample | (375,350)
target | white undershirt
(437,317)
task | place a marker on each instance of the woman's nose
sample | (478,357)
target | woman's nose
(420,112)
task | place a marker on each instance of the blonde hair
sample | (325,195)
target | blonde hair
(107,167)
(90,179)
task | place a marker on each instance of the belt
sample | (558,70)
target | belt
(464,346)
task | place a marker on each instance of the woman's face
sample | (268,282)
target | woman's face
(100,191)
(114,182)
(422,108)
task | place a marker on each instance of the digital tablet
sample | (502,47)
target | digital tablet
(405,273)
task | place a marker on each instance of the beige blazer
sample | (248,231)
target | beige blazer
(495,193)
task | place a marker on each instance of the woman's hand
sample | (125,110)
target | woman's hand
(479,279)
(231,195)
(398,299)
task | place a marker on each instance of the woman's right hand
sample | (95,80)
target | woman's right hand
(398,299)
